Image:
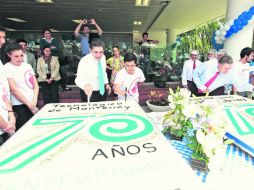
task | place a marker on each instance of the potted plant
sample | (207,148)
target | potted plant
(158,101)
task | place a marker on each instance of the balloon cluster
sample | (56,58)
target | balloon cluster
(232,27)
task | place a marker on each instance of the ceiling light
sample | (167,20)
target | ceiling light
(9,29)
(76,21)
(53,30)
(16,19)
(135,31)
(142,3)
(44,1)
(164,3)
(137,23)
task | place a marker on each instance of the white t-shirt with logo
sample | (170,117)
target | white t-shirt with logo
(3,108)
(23,77)
(130,82)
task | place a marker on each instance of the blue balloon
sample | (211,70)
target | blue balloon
(234,29)
(228,34)
(236,22)
(251,11)
(239,27)
(248,16)
(241,17)
(244,22)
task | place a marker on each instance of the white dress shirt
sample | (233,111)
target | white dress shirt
(187,73)
(205,72)
(242,72)
(87,72)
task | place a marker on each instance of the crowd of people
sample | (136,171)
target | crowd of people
(22,74)
(218,75)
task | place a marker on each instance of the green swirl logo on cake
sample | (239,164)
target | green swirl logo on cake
(120,127)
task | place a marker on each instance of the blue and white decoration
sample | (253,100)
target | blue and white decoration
(231,27)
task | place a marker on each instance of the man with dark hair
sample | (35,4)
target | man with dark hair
(211,78)
(242,71)
(128,79)
(91,74)
(2,41)
(28,56)
(87,37)
(145,46)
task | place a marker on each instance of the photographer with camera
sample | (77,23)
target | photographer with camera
(87,36)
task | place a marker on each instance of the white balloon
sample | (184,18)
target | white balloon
(223,33)
(217,32)
(227,26)
(217,38)
(222,38)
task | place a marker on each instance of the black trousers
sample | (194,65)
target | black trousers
(192,87)
(3,138)
(50,92)
(96,96)
(217,92)
(23,114)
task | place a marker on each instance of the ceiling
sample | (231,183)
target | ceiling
(111,15)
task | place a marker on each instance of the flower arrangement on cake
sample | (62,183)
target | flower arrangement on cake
(199,124)
(177,120)
(207,140)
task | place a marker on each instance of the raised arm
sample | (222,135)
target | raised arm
(93,22)
(77,30)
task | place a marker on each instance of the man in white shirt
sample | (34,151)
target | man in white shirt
(128,79)
(187,74)
(242,71)
(91,74)
(211,78)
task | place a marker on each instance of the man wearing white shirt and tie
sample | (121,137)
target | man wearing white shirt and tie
(91,74)
(211,78)
(187,74)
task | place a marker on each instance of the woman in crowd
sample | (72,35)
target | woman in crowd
(115,63)
(23,84)
(48,40)
(49,76)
